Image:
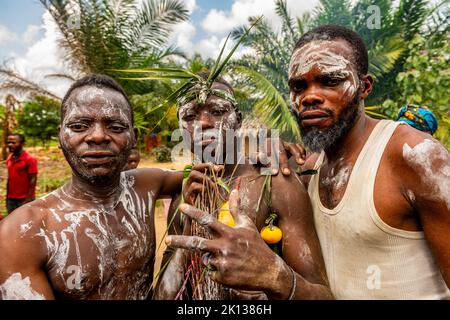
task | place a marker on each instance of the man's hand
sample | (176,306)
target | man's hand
(197,179)
(237,257)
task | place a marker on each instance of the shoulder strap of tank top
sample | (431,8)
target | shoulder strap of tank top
(373,150)
(314,177)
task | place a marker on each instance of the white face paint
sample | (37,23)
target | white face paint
(17,288)
(316,54)
(432,160)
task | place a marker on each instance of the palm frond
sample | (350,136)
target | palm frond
(384,55)
(12,81)
(287,21)
(271,106)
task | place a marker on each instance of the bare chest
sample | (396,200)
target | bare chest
(99,255)
(333,181)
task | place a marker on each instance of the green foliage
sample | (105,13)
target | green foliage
(148,118)
(114,34)
(425,81)
(262,77)
(162,154)
(39,119)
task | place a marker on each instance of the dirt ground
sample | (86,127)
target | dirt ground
(54,172)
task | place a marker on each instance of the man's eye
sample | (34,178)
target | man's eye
(297,86)
(218,112)
(189,117)
(117,128)
(78,127)
(331,82)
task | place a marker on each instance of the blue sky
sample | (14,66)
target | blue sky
(28,38)
(17,15)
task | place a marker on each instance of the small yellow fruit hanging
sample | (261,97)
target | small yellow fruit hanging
(271,234)
(225,215)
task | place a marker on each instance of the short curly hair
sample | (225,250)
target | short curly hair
(333,32)
(97,80)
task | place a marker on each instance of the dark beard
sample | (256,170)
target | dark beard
(317,140)
(85,174)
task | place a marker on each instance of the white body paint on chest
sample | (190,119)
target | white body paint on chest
(422,157)
(338,180)
(95,224)
(18,288)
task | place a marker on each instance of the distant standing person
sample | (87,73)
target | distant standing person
(133,160)
(22,174)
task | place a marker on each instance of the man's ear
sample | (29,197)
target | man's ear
(367,82)
(58,131)
(239,119)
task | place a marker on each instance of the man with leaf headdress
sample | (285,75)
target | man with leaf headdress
(274,227)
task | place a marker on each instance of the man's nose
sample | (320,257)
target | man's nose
(98,134)
(205,121)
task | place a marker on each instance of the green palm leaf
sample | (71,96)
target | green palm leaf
(271,106)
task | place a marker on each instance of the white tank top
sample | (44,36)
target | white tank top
(364,257)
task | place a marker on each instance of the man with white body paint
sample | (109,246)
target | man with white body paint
(381,197)
(93,238)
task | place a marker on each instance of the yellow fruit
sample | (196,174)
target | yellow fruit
(271,234)
(225,215)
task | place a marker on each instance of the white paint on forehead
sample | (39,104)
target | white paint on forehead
(18,288)
(423,156)
(314,54)
(86,96)
(88,93)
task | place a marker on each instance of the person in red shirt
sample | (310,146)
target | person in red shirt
(22,174)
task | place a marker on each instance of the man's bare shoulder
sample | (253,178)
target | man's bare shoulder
(19,234)
(289,189)
(409,146)
(26,220)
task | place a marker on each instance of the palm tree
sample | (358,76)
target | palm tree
(99,36)
(264,75)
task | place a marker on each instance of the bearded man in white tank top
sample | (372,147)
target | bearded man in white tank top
(381,196)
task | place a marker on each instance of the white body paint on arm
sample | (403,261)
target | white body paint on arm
(433,161)
(17,288)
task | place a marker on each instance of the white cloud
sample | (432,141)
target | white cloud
(29,36)
(7,35)
(182,36)
(43,58)
(191,5)
(220,22)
